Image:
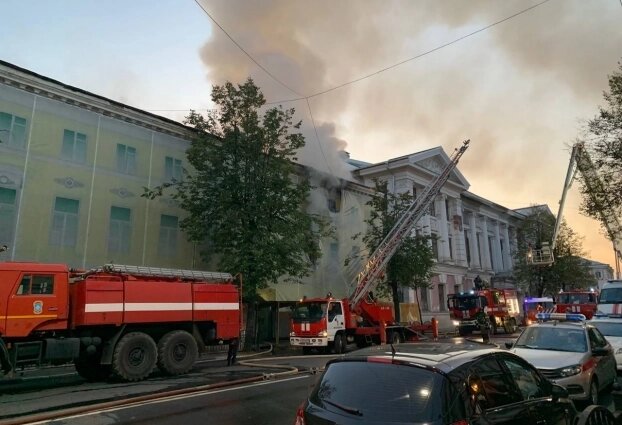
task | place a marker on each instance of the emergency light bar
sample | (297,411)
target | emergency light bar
(570,317)
(600,315)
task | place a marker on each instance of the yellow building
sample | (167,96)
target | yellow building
(73,166)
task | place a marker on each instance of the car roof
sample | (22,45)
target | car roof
(445,356)
(560,324)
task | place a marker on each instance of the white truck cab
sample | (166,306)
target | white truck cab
(610,299)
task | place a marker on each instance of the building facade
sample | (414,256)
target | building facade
(73,166)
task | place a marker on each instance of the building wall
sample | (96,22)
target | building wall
(62,175)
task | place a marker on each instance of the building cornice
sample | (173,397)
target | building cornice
(39,85)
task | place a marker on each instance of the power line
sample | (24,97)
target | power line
(245,52)
(414,57)
(318,137)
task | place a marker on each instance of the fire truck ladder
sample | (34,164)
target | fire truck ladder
(367,279)
(167,273)
(608,217)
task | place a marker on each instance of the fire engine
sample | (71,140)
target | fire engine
(116,319)
(578,301)
(489,308)
(330,323)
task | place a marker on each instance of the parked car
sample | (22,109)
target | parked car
(436,383)
(569,352)
(611,328)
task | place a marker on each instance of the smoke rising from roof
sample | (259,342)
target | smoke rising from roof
(518,90)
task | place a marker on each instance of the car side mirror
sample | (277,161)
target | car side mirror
(509,345)
(557,392)
(600,351)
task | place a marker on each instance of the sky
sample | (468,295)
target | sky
(521,86)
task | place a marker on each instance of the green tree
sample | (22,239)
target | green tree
(603,200)
(412,264)
(568,270)
(245,196)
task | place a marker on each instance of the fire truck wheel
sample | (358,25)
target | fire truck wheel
(493,326)
(395,338)
(177,352)
(134,356)
(338,344)
(90,369)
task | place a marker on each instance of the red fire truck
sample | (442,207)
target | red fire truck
(535,305)
(330,323)
(124,320)
(578,301)
(490,308)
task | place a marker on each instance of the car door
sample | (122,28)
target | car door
(536,392)
(494,398)
(606,369)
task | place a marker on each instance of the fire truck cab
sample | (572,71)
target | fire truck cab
(486,308)
(578,301)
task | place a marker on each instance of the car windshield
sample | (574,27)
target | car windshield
(609,328)
(464,302)
(610,296)
(309,311)
(387,393)
(553,338)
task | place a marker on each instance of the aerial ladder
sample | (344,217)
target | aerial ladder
(580,161)
(329,323)
(367,279)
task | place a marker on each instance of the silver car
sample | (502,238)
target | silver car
(572,354)
(611,328)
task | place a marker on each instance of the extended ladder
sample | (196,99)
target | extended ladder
(367,279)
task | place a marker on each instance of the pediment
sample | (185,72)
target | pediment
(435,160)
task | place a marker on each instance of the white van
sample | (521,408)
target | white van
(610,299)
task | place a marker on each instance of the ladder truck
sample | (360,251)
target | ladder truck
(580,161)
(117,320)
(330,323)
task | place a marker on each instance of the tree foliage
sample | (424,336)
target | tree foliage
(604,140)
(412,264)
(568,270)
(245,196)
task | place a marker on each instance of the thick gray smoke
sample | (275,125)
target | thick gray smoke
(518,90)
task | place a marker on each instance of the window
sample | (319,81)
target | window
(432,210)
(434,247)
(447,208)
(120,232)
(502,249)
(441,297)
(527,380)
(423,299)
(7,215)
(456,289)
(126,159)
(12,130)
(173,169)
(490,387)
(64,230)
(74,146)
(36,285)
(167,244)
(479,251)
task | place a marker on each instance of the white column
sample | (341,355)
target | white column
(496,249)
(485,245)
(459,240)
(442,228)
(507,253)
(473,242)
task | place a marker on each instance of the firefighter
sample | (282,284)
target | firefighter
(539,308)
(232,352)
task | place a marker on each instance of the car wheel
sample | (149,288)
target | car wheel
(595,415)
(593,396)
